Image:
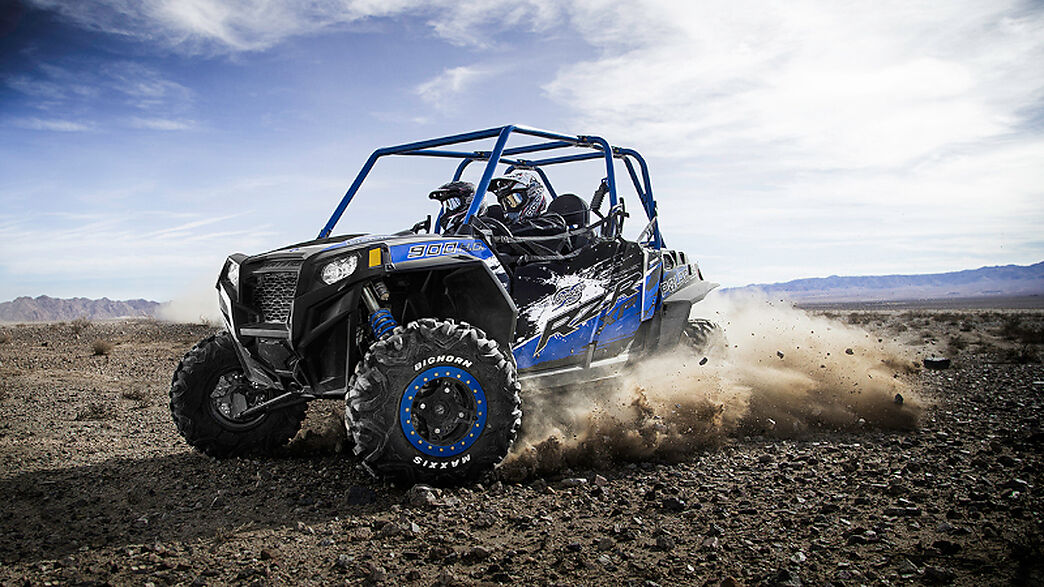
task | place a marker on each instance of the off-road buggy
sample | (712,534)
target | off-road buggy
(430,338)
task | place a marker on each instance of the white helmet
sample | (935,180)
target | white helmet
(521,195)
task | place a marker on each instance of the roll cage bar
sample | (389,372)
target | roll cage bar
(600,149)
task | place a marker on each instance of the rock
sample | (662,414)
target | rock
(447,579)
(856,539)
(574,482)
(371,572)
(268,554)
(937,576)
(798,558)
(600,481)
(539,485)
(673,504)
(389,530)
(442,554)
(422,496)
(605,543)
(936,363)
(898,399)
(344,561)
(946,547)
(779,354)
(666,543)
(849,351)
(730,582)
(907,568)
(360,496)
(898,512)
(476,554)
(361,533)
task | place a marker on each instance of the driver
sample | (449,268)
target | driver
(521,195)
(456,198)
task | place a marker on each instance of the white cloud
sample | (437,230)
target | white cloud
(851,136)
(161,103)
(451,82)
(199,26)
(161,123)
(216,25)
(151,251)
(815,84)
(838,137)
(57,125)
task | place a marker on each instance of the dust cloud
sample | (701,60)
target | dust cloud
(196,303)
(780,372)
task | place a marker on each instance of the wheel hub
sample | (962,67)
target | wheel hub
(443,411)
(231,396)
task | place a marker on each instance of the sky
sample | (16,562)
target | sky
(141,141)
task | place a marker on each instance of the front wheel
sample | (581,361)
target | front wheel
(209,391)
(435,402)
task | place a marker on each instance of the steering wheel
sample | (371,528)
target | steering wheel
(495,226)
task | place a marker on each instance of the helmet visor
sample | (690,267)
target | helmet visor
(452,204)
(512,200)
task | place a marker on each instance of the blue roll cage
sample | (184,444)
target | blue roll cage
(600,150)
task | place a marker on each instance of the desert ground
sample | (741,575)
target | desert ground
(785,459)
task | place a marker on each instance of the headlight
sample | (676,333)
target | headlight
(233,273)
(337,270)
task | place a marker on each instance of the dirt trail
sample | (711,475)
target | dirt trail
(689,483)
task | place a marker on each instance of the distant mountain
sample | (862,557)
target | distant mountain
(48,309)
(1005,280)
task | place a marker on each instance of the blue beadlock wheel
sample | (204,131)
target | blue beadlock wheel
(435,402)
(443,411)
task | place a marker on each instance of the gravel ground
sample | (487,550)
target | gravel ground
(99,488)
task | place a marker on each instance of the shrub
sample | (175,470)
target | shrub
(956,343)
(93,412)
(137,394)
(101,347)
(79,325)
(1015,330)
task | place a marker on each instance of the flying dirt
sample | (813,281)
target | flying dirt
(779,372)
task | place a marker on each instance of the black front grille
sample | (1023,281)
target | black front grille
(273,291)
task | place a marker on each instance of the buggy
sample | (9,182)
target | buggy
(430,338)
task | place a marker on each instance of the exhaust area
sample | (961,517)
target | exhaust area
(784,373)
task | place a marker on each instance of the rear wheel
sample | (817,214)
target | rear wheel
(704,337)
(209,391)
(435,402)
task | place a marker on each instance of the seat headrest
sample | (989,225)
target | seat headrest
(572,208)
(496,212)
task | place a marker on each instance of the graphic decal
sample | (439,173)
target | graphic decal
(447,248)
(651,286)
(358,241)
(596,304)
(427,250)
(675,279)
